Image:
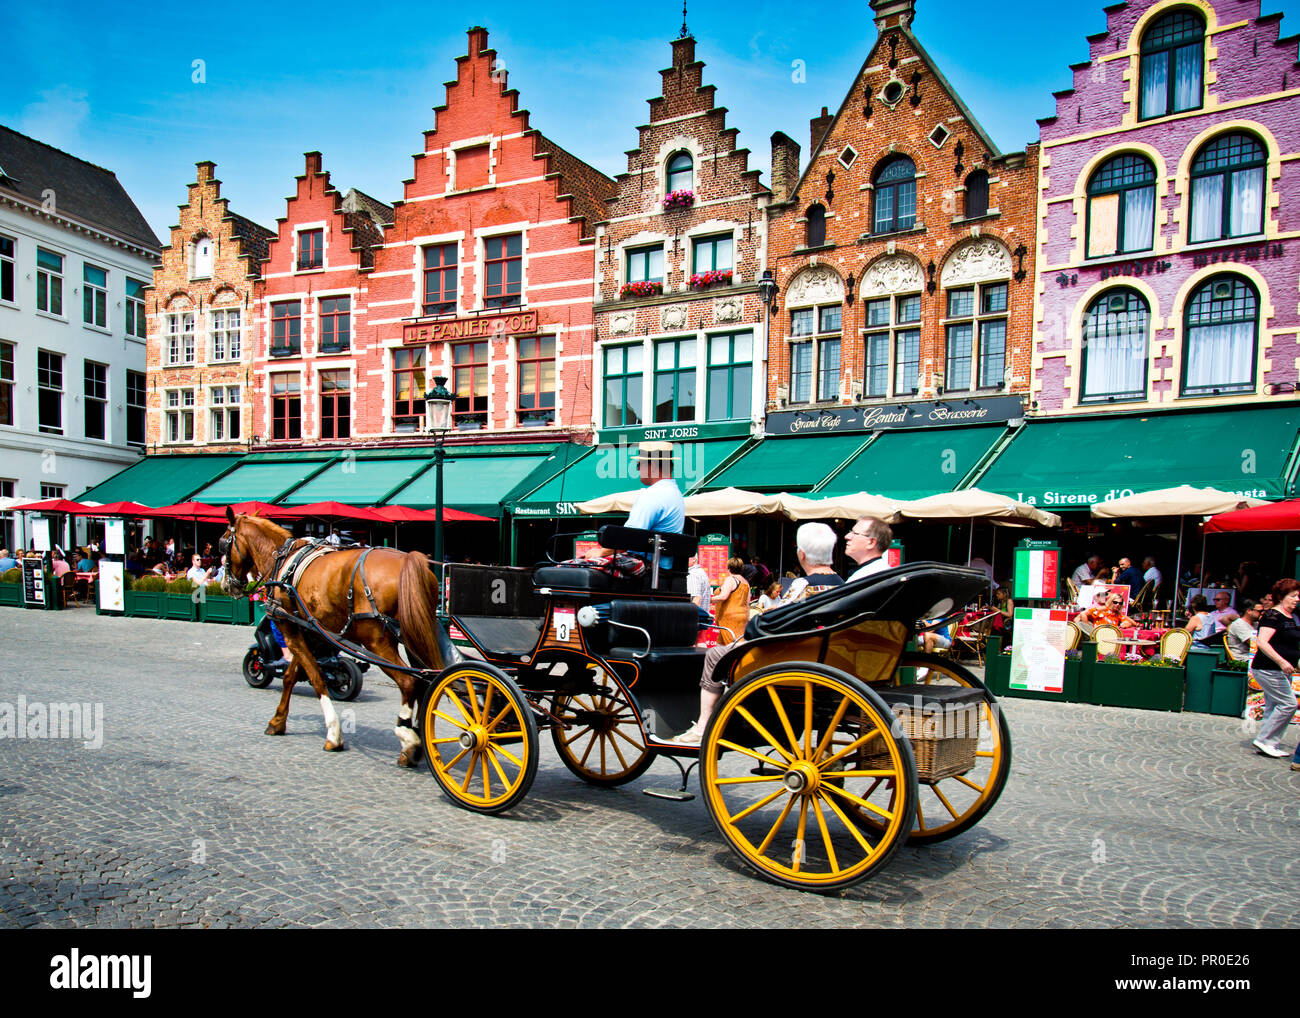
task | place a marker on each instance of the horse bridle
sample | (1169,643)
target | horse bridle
(226,546)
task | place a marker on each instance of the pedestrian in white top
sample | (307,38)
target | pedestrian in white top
(196,573)
(866,544)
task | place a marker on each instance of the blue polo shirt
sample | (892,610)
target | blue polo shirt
(659,507)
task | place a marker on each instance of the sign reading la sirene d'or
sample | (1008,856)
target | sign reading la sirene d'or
(482,327)
(932,414)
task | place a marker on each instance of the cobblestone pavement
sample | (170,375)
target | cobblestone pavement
(189,816)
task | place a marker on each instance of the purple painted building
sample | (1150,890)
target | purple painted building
(1169,215)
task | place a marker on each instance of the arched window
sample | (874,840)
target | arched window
(816,225)
(1115,333)
(681,175)
(1228,189)
(895,185)
(1220,329)
(1173,55)
(1122,206)
(977,194)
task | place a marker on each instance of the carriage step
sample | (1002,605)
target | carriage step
(675,794)
(763,771)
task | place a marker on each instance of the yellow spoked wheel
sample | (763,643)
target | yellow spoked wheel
(480,737)
(603,743)
(955,804)
(792,759)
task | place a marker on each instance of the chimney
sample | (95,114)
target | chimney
(893,13)
(478,40)
(785,166)
(817,127)
(312,163)
(206,170)
(683,51)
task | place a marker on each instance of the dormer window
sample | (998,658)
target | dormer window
(1173,55)
(311,249)
(201,258)
(681,173)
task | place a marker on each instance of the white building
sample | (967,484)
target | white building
(76,257)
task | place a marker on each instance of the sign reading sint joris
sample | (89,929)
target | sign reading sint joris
(482,327)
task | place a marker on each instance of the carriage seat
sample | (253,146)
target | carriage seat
(673,661)
(648,543)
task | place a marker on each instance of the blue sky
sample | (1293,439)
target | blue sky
(359,85)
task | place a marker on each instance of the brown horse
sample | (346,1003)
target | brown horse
(403,588)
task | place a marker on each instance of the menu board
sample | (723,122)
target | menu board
(894,555)
(1037,573)
(41,534)
(33,581)
(111,598)
(114,537)
(583,545)
(1038,653)
(714,551)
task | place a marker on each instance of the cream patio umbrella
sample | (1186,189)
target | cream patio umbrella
(843,507)
(619,502)
(732,502)
(1181,501)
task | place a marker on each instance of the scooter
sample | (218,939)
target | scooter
(266,661)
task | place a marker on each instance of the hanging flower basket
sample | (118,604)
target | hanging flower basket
(648,288)
(703,280)
(682,199)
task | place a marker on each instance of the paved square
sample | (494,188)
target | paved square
(188,815)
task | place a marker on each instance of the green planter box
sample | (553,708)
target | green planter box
(11,595)
(180,607)
(997,676)
(220,609)
(1227,693)
(1200,666)
(259,611)
(143,604)
(1116,684)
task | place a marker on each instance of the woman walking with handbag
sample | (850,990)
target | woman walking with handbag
(1275,663)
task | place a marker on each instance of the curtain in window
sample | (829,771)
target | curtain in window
(1207,208)
(1116,355)
(1187,78)
(1246,214)
(1155,84)
(1220,355)
(1139,219)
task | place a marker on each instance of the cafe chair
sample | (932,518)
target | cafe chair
(1107,638)
(1142,602)
(1076,635)
(1175,643)
(1072,589)
(68,588)
(1227,651)
(973,635)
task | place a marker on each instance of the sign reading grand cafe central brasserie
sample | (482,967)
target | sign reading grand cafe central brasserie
(928,414)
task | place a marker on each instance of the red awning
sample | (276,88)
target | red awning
(53,505)
(126,509)
(339,511)
(1278,516)
(405,514)
(267,511)
(187,511)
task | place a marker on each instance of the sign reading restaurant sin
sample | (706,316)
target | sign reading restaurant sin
(483,327)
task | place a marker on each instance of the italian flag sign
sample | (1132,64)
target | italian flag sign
(1036,572)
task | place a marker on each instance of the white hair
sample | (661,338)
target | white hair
(817,542)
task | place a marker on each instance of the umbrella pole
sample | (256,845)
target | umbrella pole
(970,543)
(1178,567)
(993,559)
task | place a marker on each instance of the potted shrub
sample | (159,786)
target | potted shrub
(683,198)
(644,288)
(143,598)
(11,588)
(179,601)
(1153,683)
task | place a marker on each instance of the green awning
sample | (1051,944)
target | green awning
(1069,463)
(358,481)
(263,480)
(913,464)
(788,464)
(608,469)
(161,480)
(473,483)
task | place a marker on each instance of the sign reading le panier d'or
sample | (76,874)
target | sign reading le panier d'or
(479,327)
(927,414)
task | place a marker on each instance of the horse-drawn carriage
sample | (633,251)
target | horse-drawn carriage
(833,745)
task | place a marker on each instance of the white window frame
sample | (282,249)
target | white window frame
(298,231)
(224,405)
(894,327)
(977,320)
(180,340)
(816,338)
(51,278)
(179,406)
(224,331)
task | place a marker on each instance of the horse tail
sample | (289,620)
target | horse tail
(417,597)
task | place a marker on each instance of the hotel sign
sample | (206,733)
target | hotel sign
(480,327)
(930,414)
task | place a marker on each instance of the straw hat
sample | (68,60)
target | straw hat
(655,453)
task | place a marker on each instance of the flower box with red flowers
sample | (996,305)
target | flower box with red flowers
(682,199)
(703,280)
(645,288)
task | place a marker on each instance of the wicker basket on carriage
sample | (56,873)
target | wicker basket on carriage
(941,722)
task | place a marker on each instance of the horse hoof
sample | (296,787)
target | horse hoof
(273,730)
(408,760)
(334,747)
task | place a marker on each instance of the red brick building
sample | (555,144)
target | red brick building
(485,274)
(679,320)
(904,252)
(313,347)
(201,326)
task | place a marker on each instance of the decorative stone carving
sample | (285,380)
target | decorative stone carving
(728,309)
(674,316)
(892,274)
(622,322)
(817,284)
(976,262)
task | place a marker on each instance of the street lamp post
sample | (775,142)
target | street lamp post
(767,294)
(437,417)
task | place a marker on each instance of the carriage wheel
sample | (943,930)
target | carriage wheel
(953,805)
(480,737)
(603,744)
(825,742)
